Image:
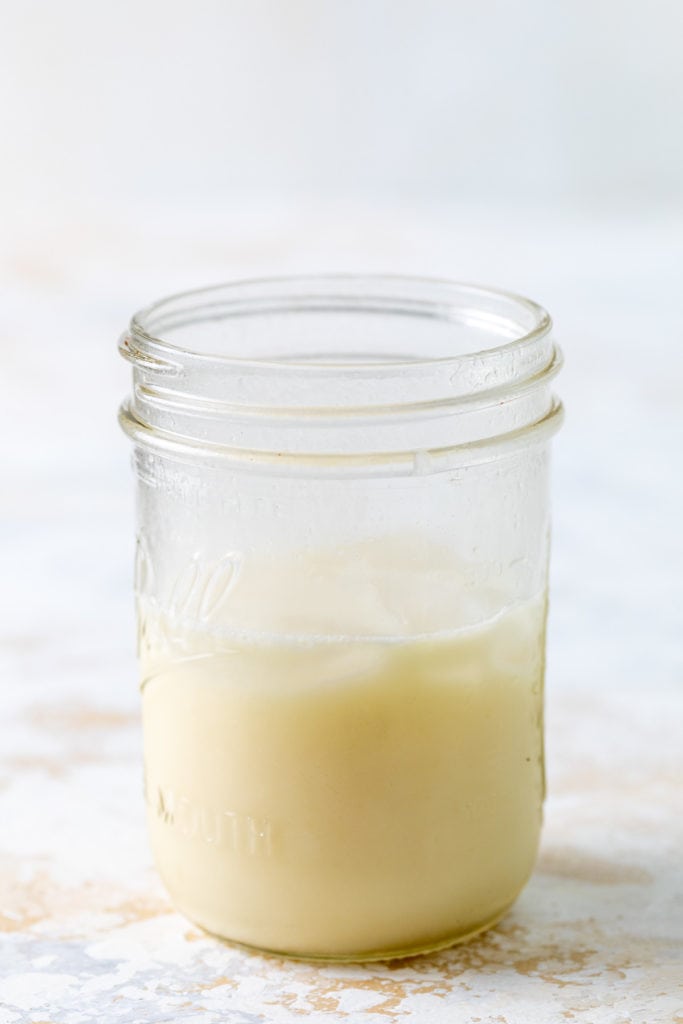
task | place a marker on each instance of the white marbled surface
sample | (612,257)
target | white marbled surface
(86,931)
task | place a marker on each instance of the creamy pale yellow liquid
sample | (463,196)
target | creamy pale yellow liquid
(344,797)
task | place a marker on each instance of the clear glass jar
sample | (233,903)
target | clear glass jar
(342,558)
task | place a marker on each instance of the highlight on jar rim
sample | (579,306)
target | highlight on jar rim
(341,584)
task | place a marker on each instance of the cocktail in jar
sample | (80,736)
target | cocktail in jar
(342,587)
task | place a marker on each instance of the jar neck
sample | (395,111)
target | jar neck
(342,371)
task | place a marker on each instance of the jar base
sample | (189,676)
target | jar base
(402,953)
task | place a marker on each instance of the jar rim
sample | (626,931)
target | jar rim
(442,302)
(324,391)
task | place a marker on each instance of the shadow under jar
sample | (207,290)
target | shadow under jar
(341,580)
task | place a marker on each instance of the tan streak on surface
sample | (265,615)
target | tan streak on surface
(79,718)
(140,909)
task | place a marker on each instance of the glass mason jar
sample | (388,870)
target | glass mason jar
(341,579)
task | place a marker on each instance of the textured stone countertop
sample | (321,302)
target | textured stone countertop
(86,931)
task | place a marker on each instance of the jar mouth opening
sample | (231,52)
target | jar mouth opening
(351,370)
(459,322)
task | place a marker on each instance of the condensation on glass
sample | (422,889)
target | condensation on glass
(341,580)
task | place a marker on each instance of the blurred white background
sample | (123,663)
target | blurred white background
(438,99)
(536,146)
